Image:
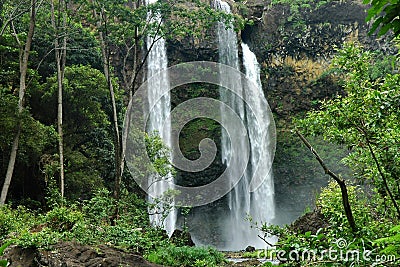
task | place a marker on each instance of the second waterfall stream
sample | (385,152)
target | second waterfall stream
(259,205)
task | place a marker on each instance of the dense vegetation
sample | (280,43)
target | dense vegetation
(365,120)
(89,222)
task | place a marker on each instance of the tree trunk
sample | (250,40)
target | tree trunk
(23,66)
(383,176)
(341,183)
(117,140)
(60,56)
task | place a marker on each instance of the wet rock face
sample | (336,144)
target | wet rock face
(305,31)
(295,45)
(292,44)
(190,49)
(310,222)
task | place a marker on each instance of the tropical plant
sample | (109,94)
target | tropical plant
(366,120)
(186,256)
(4,263)
(385,15)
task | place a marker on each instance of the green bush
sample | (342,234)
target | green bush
(331,206)
(15,220)
(186,256)
(374,235)
(90,226)
(42,239)
(63,218)
(133,211)
(390,245)
(370,224)
(99,209)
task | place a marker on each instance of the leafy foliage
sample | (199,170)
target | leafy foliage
(14,220)
(385,14)
(329,202)
(366,119)
(186,257)
(390,245)
(4,263)
(337,237)
(88,136)
(36,138)
(87,224)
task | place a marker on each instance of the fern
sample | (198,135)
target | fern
(391,243)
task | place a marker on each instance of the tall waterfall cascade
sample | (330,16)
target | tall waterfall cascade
(242,202)
(263,205)
(160,109)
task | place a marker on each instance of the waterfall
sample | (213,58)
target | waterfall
(156,62)
(259,204)
(239,205)
(263,206)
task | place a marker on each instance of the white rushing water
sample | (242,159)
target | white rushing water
(260,204)
(156,62)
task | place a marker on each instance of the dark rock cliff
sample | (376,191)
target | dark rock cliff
(293,43)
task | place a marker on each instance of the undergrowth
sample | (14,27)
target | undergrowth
(90,223)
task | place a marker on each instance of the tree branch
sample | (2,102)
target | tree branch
(341,183)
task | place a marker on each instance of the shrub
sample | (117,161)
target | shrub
(99,208)
(63,218)
(186,256)
(330,203)
(43,239)
(14,220)
(390,245)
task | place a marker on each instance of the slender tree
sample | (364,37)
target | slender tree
(101,18)
(60,48)
(23,68)
(18,9)
(341,182)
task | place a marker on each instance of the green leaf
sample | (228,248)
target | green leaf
(4,246)
(395,229)
(3,263)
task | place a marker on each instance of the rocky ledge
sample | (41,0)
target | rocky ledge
(72,254)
